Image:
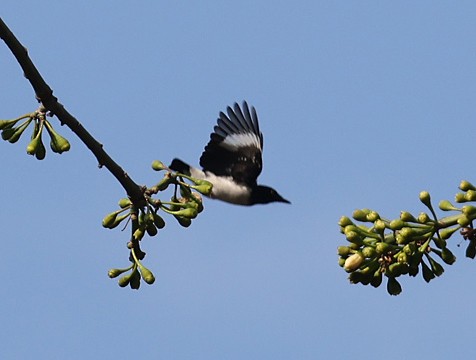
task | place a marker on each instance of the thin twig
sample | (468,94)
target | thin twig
(44,95)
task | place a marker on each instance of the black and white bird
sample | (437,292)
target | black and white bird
(232,160)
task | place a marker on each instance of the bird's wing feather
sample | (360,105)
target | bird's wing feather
(235,146)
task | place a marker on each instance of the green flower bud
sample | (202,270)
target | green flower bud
(134,282)
(356,234)
(158,165)
(369,252)
(396,224)
(40,153)
(463,221)
(33,146)
(356,277)
(175,206)
(382,248)
(353,262)
(190,203)
(466,185)
(142,218)
(164,183)
(425,198)
(404,269)
(436,268)
(393,286)
(188,212)
(147,275)
(353,237)
(396,269)
(109,219)
(341,261)
(350,228)
(445,205)
(377,279)
(407,217)
(407,232)
(344,221)
(204,188)
(185,222)
(413,270)
(439,242)
(365,278)
(426,272)
(343,251)
(18,132)
(401,240)
(471,250)
(58,143)
(6,124)
(360,214)
(469,196)
(416,258)
(112,273)
(379,226)
(409,249)
(446,233)
(7,133)
(148,217)
(354,246)
(423,218)
(469,211)
(185,191)
(158,221)
(402,257)
(447,256)
(199,181)
(124,202)
(151,229)
(370,267)
(372,216)
(460,198)
(117,221)
(124,281)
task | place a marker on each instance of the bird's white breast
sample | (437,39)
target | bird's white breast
(223,187)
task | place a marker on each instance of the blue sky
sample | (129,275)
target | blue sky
(362,104)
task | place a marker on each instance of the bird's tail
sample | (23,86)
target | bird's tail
(179,166)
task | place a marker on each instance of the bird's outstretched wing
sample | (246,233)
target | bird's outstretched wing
(235,146)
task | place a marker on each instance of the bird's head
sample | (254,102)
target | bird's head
(264,195)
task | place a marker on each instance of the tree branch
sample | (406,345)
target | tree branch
(44,95)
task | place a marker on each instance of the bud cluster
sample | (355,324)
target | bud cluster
(13,129)
(185,204)
(137,272)
(380,248)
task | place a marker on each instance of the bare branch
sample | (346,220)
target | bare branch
(44,95)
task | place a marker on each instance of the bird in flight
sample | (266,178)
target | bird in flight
(232,159)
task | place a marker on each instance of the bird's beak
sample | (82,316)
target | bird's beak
(284,200)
